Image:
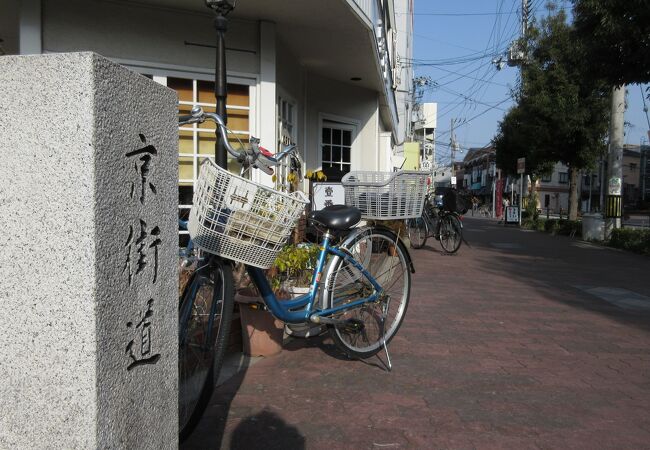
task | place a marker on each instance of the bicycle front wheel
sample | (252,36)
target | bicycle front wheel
(372,325)
(450,233)
(205,313)
(417,232)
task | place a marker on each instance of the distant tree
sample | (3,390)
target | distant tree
(615,38)
(560,115)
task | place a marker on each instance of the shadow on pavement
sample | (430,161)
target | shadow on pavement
(324,343)
(209,433)
(266,430)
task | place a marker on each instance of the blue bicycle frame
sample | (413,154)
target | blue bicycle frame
(301,309)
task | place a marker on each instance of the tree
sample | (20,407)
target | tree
(560,114)
(615,38)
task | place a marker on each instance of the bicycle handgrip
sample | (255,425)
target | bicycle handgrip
(182,120)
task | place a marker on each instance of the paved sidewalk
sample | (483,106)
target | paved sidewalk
(523,340)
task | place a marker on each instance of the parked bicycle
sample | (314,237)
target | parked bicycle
(360,287)
(437,222)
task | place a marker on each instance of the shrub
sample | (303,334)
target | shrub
(551,225)
(637,241)
(568,227)
(528,224)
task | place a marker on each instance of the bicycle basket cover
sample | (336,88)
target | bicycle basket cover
(455,202)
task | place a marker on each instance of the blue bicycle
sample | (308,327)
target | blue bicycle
(360,286)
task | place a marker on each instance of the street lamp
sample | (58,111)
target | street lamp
(221,9)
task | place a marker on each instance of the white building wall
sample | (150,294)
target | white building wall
(404,72)
(290,79)
(135,32)
(331,99)
(154,41)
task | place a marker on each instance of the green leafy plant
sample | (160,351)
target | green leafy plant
(294,266)
(637,241)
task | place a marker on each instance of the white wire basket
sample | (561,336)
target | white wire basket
(386,195)
(241,220)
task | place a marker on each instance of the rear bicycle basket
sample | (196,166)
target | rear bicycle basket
(239,219)
(386,195)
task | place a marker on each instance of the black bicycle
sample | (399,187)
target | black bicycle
(445,226)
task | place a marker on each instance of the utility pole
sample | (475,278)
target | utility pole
(453,144)
(416,97)
(614,198)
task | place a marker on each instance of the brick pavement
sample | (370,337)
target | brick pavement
(499,349)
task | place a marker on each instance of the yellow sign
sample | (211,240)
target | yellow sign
(412,156)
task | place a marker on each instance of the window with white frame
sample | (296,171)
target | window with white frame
(336,149)
(564,177)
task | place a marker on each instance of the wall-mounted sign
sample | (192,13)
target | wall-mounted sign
(327,194)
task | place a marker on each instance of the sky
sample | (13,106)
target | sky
(455,44)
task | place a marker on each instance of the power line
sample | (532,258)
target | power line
(442,133)
(461,14)
(564,8)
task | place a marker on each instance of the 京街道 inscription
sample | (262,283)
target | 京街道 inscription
(141,248)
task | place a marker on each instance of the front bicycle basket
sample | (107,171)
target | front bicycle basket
(241,220)
(386,195)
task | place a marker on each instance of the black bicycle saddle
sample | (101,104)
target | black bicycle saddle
(337,217)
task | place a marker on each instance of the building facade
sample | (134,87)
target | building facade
(479,172)
(328,76)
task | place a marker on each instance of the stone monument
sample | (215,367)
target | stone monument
(88,255)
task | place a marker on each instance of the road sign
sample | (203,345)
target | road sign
(521,165)
(453,181)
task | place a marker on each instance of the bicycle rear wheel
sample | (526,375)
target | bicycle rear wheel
(417,232)
(450,233)
(371,325)
(205,313)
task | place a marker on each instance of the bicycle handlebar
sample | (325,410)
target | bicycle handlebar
(251,157)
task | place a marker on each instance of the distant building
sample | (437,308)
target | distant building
(644,178)
(631,175)
(553,190)
(478,169)
(424,118)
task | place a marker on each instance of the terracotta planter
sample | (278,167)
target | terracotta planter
(261,332)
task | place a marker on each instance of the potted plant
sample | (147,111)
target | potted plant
(291,274)
(262,333)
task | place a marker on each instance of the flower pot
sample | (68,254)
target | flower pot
(261,332)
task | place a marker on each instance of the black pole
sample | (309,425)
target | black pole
(221,87)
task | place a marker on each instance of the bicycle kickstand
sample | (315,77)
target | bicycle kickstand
(383,325)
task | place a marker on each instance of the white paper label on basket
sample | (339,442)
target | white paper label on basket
(240,195)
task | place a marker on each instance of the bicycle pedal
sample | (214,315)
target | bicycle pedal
(352,326)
